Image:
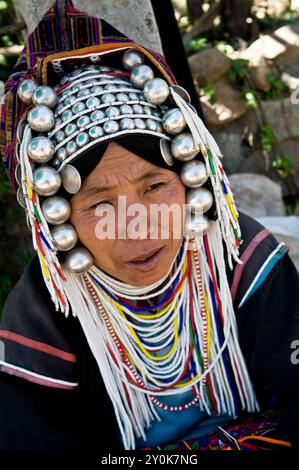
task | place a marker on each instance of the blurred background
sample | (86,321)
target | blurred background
(243,59)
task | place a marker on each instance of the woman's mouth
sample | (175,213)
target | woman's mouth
(146,262)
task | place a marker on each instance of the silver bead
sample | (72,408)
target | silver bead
(18,174)
(133,96)
(26,90)
(41,149)
(93,102)
(47,180)
(126,123)
(108,98)
(58,121)
(83,93)
(56,162)
(65,237)
(131,58)
(97,115)
(82,139)
(71,179)
(70,129)
(110,127)
(78,260)
(183,147)
(66,115)
(139,123)
(156,91)
(140,75)
(95,58)
(151,124)
(95,132)
(194,174)
(200,200)
(111,87)
(112,111)
(126,109)
(96,89)
(83,121)
(147,110)
(174,121)
(61,154)
(44,95)
(122,97)
(196,225)
(78,107)
(41,118)
(165,151)
(71,147)
(59,136)
(138,109)
(56,210)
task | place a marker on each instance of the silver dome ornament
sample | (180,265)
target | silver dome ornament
(56,210)
(112,111)
(65,237)
(182,92)
(173,121)
(97,115)
(183,147)
(78,260)
(196,226)
(83,121)
(20,198)
(122,97)
(93,102)
(139,123)
(47,180)
(126,124)
(108,98)
(61,154)
(96,89)
(132,58)
(151,124)
(165,151)
(200,200)
(41,149)
(70,129)
(194,174)
(110,127)
(44,95)
(41,118)
(71,147)
(138,109)
(147,110)
(156,91)
(133,96)
(140,75)
(111,87)
(26,90)
(59,136)
(95,132)
(82,139)
(78,107)
(126,109)
(71,179)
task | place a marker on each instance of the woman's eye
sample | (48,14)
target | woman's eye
(154,186)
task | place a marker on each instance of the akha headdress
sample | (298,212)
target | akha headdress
(67,98)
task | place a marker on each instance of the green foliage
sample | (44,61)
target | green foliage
(277,87)
(196,45)
(283,164)
(210,92)
(267,137)
(238,70)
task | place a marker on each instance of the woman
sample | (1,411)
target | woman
(168,337)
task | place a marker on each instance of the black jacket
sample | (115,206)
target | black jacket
(52,394)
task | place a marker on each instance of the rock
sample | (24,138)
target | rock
(281,46)
(283,116)
(259,76)
(257,195)
(209,65)
(229,105)
(285,229)
(230,146)
(290,75)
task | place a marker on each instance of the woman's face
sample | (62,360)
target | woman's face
(138,260)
